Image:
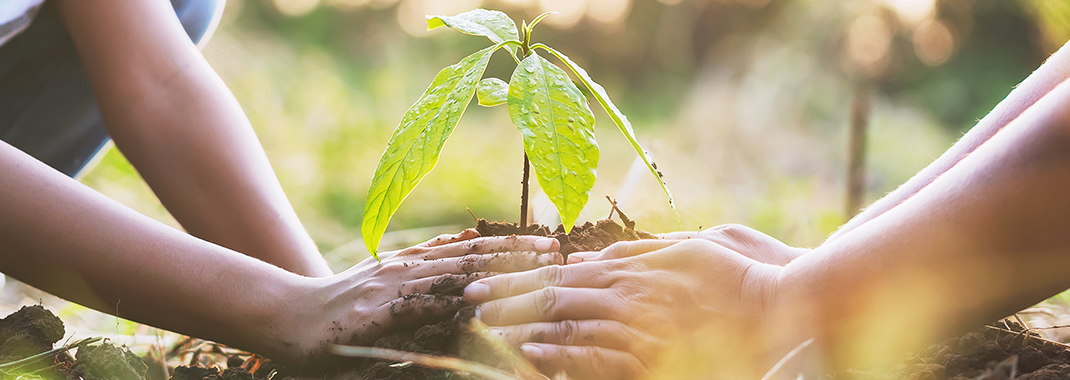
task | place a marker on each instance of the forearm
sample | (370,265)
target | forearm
(988,237)
(1054,71)
(69,240)
(176,121)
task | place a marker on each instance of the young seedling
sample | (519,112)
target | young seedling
(545,105)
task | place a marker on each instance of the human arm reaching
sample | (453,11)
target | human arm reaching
(178,124)
(64,238)
(1054,71)
(988,237)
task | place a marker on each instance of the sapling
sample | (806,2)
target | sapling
(545,105)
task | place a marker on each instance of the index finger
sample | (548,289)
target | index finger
(588,275)
(484,245)
(622,249)
(444,239)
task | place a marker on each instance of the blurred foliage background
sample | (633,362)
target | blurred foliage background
(744,104)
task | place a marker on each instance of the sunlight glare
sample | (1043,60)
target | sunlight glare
(912,12)
(609,11)
(569,12)
(296,7)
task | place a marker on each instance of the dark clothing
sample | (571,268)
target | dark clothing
(46,106)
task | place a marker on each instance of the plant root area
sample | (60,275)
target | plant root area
(33,330)
(30,346)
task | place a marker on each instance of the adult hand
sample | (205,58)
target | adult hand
(615,318)
(407,288)
(742,239)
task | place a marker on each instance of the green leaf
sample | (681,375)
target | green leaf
(495,25)
(618,117)
(558,128)
(414,148)
(492,92)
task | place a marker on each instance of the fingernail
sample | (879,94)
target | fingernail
(477,314)
(544,244)
(476,292)
(531,350)
(572,259)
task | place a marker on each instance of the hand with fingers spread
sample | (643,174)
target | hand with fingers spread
(742,239)
(614,319)
(372,298)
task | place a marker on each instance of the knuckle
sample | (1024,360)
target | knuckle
(413,251)
(566,331)
(546,302)
(550,275)
(475,246)
(470,263)
(392,268)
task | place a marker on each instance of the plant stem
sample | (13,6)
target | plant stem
(524,193)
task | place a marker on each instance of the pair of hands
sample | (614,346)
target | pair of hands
(373,298)
(633,307)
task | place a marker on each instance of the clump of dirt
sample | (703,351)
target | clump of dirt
(29,331)
(588,237)
(33,330)
(107,362)
(451,336)
(1001,351)
(201,373)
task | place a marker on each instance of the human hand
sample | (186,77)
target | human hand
(407,288)
(742,239)
(620,319)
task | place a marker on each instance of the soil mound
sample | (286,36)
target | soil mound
(588,237)
(1001,351)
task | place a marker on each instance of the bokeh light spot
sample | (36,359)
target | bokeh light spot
(569,12)
(868,41)
(933,43)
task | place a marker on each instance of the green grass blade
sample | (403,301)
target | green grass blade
(414,148)
(618,117)
(558,128)
(492,92)
(495,25)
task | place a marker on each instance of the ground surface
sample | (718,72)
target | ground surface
(1002,351)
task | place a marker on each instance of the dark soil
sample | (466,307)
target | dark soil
(33,330)
(588,237)
(451,336)
(1001,351)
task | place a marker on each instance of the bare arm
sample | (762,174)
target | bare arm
(1055,70)
(987,238)
(180,126)
(62,237)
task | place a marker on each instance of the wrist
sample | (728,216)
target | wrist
(270,324)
